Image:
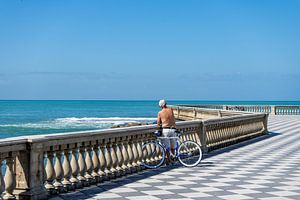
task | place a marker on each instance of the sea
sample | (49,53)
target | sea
(33,117)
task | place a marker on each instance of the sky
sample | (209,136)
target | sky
(140,49)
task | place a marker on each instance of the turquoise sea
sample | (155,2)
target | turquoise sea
(31,117)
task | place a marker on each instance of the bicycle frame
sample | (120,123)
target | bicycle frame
(176,154)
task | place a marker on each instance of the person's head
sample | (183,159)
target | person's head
(162,103)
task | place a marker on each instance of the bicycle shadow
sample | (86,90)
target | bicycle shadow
(94,190)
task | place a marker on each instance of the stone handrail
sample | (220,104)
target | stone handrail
(36,166)
(221,132)
(271,109)
(192,113)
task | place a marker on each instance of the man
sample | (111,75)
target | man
(166,120)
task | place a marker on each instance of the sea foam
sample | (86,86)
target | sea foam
(80,123)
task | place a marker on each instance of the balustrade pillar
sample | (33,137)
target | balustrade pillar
(50,172)
(103,166)
(2,184)
(130,157)
(148,153)
(115,160)
(120,159)
(108,162)
(89,165)
(135,156)
(67,171)
(82,167)
(96,163)
(75,169)
(125,158)
(140,153)
(58,172)
(9,179)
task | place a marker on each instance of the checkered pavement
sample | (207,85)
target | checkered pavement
(266,168)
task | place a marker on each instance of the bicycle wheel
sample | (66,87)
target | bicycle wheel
(189,154)
(154,155)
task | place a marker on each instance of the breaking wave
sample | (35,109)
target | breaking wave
(80,123)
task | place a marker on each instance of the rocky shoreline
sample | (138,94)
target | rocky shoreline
(131,124)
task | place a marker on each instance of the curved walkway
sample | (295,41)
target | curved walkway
(266,168)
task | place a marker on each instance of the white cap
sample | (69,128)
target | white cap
(162,103)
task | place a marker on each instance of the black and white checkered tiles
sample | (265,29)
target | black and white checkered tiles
(266,168)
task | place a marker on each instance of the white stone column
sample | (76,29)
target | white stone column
(135,155)
(130,156)
(58,172)
(102,163)
(108,161)
(125,158)
(115,160)
(2,184)
(82,167)
(96,163)
(50,172)
(67,171)
(120,159)
(89,165)
(9,179)
(75,169)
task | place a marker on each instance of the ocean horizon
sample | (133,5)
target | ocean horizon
(33,117)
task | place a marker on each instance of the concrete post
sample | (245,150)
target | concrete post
(202,136)
(273,110)
(30,171)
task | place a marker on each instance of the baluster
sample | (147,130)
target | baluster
(67,171)
(50,173)
(140,153)
(108,160)
(148,152)
(89,166)
(9,178)
(114,160)
(96,163)
(130,157)
(125,158)
(2,184)
(82,167)
(103,166)
(58,172)
(119,159)
(135,155)
(155,156)
(75,170)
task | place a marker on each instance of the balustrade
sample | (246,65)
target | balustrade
(190,112)
(74,160)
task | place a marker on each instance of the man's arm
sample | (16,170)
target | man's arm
(158,120)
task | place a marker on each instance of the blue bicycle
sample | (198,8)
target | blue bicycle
(188,153)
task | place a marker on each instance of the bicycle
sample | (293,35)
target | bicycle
(188,153)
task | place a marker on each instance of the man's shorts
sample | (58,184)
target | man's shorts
(169,143)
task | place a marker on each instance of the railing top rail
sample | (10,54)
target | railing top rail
(209,110)
(246,105)
(79,136)
(234,118)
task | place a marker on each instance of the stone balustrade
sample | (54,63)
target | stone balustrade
(271,109)
(34,167)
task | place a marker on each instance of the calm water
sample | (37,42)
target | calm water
(39,117)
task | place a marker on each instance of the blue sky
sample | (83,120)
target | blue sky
(201,50)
